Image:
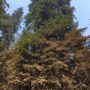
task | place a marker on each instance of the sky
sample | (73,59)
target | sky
(82,11)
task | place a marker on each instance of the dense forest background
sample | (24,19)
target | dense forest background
(50,54)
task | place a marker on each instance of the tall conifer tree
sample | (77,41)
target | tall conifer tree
(8,27)
(54,53)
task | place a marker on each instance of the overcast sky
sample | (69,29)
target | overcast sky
(82,10)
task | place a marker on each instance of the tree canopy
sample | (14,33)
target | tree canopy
(50,54)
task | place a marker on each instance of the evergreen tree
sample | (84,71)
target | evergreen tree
(3,25)
(54,53)
(2,21)
(48,11)
(8,24)
(8,27)
(50,18)
(15,21)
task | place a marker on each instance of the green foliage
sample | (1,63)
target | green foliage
(50,18)
(59,26)
(9,26)
(17,18)
(27,40)
(41,11)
